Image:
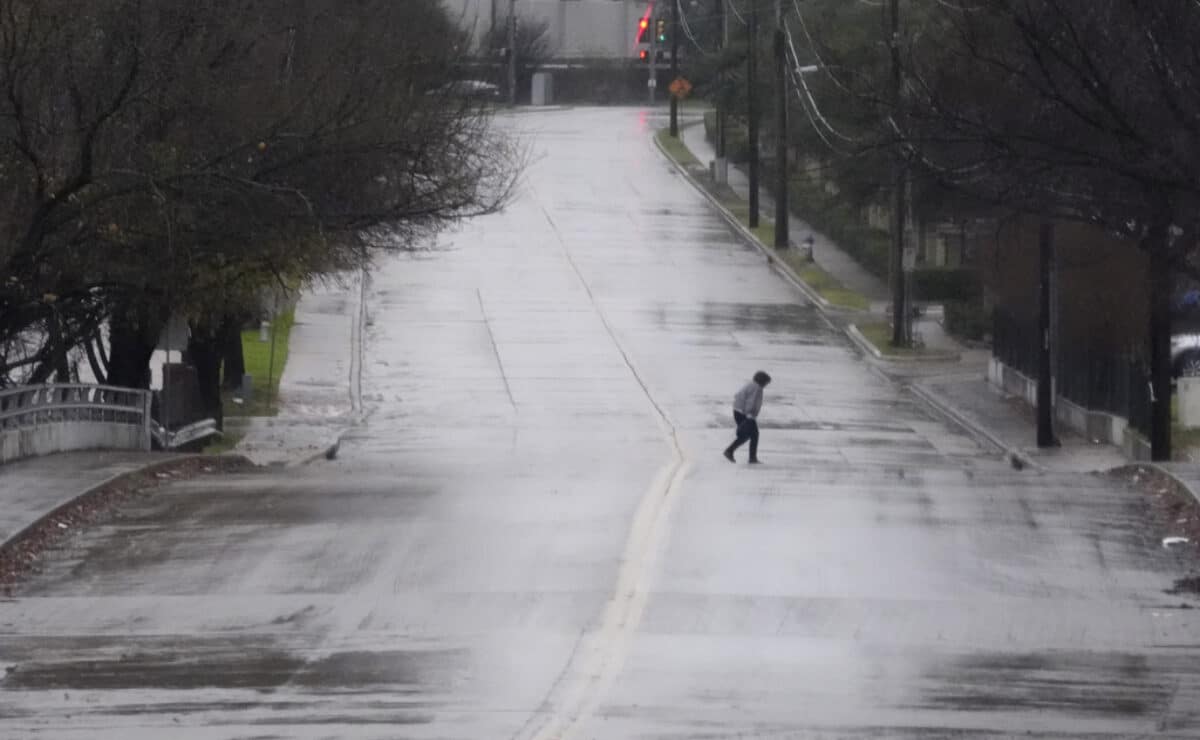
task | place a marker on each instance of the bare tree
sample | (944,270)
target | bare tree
(1087,110)
(179,156)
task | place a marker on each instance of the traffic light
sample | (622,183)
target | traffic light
(644,55)
(643,24)
(660,30)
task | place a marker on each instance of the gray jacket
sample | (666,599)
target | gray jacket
(748,400)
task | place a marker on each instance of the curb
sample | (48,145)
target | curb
(980,433)
(151,467)
(863,343)
(1179,482)
(823,306)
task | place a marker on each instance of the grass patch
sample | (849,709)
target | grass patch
(259,365)
(676,149)
(826,285)
(879,333)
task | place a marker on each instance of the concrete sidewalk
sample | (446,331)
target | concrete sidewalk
(1009,424)
(31,489)
(319,392)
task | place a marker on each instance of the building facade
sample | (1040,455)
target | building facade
(578,29)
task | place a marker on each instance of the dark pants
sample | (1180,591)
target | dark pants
(747,429)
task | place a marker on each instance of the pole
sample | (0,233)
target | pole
(722,43)
(271,356)
(512,52)
(652,83)
(752,108)
(900,333)
(1045,381)
(674,66)
(781,132)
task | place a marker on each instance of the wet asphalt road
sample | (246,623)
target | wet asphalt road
(535,536)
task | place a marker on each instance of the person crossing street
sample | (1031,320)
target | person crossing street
(747,402)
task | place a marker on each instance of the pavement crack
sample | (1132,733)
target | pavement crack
(495,348)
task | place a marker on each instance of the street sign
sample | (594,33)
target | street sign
(651,82)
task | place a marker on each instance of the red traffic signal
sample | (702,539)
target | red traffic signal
(643,54)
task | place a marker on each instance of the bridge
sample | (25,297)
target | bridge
(44,419)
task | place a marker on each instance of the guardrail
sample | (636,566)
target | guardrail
(43,419)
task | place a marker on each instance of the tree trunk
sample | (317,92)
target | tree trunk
(1160,344)
(132,337)
(204,352)
(99,371)
(1045,380)
(231,352)
(54,362)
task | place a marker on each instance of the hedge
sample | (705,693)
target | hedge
(938,284)
(967,319)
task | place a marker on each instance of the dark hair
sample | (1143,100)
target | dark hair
(761,378)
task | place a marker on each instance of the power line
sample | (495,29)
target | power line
(687,29)
(742,20)
(808,97)
(812,46)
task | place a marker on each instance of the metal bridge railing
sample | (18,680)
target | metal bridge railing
(28,407)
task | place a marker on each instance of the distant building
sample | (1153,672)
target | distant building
(578,29)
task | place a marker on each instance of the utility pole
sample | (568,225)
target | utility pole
(1045,381)
(722,44)
(781,132)
(512,52)
(652,83)
(752,107)
(674,66)
(900,318)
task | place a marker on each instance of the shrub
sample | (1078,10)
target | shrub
(968,319)
(946,285)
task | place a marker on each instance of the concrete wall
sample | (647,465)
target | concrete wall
(577,28)
(1097,426)
(48,438)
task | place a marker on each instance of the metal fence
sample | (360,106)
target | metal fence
(1096,379)
(1015,342)
(25,409)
